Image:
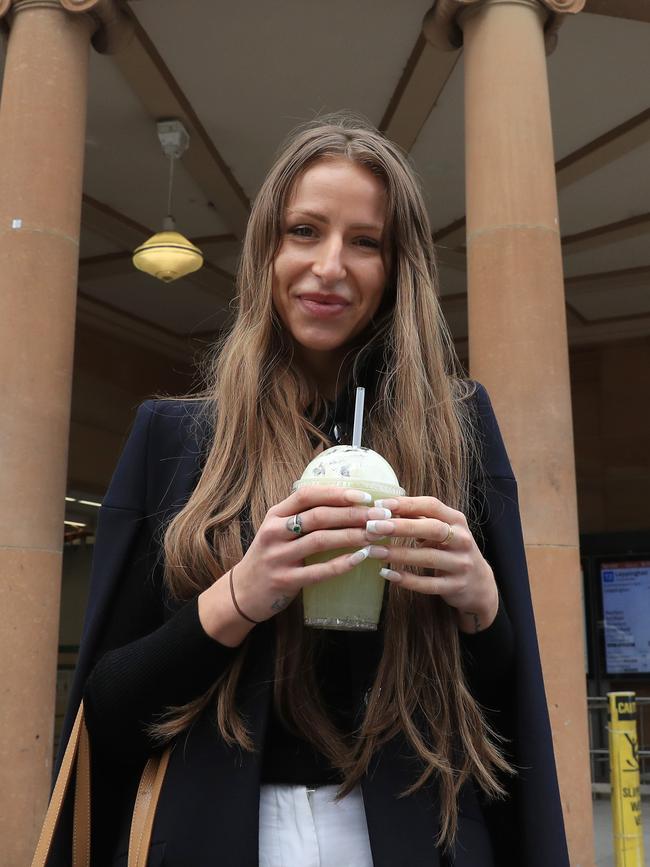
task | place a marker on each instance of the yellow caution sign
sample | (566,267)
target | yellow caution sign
(626,787)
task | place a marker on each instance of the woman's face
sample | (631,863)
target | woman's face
(330,270)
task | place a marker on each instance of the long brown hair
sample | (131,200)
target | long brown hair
(262,412)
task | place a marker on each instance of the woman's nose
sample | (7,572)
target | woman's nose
(328,263)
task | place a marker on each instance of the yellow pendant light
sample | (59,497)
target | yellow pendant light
(168,255)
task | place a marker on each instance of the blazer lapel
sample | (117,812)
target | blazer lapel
(401,830)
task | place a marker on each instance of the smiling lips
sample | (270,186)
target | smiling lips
(322,305)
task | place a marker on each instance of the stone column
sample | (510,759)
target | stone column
(518,338)
(42,137)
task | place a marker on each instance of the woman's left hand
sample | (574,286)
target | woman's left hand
(461,575)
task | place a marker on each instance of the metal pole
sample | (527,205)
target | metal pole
(626,786)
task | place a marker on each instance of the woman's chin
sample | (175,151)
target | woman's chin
(308,346)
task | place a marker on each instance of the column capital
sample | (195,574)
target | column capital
(111,28)
(443,24)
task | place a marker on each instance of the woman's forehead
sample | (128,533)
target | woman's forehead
(339,185)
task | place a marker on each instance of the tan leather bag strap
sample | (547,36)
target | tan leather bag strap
(144,810)
(81,814)
(58,795)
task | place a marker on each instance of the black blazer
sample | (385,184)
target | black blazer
(208,810)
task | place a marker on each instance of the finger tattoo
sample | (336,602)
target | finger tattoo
(475,618)
(281,603)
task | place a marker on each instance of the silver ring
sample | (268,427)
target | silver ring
(294,525)
(448,537)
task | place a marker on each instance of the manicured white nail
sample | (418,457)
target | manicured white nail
(380,528)
(378,552)
(390,575)
(359,556)
(353,496)
(387,504)
(380,513)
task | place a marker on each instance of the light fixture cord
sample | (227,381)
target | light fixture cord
(171,184)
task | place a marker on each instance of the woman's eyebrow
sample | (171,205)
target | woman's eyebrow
(314,215)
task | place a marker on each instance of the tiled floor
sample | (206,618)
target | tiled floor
(603,831)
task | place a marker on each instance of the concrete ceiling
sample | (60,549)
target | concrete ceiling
(242,78)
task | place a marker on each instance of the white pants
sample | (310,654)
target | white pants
(307,827)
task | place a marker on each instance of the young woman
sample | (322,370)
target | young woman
(426,742)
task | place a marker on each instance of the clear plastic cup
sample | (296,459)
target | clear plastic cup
(353,600)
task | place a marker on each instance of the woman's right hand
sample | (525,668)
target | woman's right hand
(272,572)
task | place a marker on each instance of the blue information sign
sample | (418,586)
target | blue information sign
(626,608)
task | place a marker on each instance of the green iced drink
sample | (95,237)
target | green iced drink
(352,600)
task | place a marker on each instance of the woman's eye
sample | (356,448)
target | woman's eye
(302,231)
(372,243)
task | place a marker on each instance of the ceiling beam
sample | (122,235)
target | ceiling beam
(609,233)
(451,258)
(602,331)
(143,333)
(588,334)
(125,233)
(626,277)
(217,245)
(579,242)
(458,302)
(453,234)
(116,227)
(628,317)
(424,78)
(573,317)
(115,264)
(117,323)
(107,265)
(606,148)
(453,301)
(633,10)
(152,82)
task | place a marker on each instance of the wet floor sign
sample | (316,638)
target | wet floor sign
(624,772)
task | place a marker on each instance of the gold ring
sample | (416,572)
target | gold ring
(448,537)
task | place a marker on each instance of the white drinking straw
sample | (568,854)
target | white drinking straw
(358,417)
